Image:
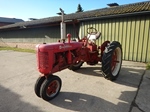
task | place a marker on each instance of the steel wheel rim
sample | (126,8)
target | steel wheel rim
(116,61)
(53,88)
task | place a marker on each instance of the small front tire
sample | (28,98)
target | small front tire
(38,84)
(50,87)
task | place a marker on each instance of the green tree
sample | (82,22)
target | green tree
(79,8)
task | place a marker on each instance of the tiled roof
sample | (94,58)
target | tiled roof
(123,9)
(140,7)
(10,20)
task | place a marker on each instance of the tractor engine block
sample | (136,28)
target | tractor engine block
(93,58)
(60,60)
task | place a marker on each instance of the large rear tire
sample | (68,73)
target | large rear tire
(112,60)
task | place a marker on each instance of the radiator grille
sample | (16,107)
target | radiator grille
(43,60)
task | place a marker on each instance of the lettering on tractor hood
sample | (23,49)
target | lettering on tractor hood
(65,46)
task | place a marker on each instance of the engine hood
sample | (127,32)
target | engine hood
(59,46)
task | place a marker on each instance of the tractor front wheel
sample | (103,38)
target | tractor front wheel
(38,84)
(112,60)
(50,87)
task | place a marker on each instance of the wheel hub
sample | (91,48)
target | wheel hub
(52,88)
(114,61)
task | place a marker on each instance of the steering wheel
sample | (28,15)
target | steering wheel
(91,30)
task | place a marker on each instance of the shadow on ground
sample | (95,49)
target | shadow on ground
(12,102)
(92,71)
(128,76)
(88,103)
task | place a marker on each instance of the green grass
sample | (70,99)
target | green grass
(17,49)
(148,66)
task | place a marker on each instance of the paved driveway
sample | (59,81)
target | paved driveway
(84,90)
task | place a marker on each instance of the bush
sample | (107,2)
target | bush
(148,66)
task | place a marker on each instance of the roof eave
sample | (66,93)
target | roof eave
(116,15)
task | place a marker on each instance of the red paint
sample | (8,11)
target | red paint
(69,36)
(52,88)
(57,56)
(114,61)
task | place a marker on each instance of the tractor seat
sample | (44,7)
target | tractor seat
(92,37)
(98,35)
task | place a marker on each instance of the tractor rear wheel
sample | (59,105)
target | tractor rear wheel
(76,66)
(112,60)
(38,84)
(50,87)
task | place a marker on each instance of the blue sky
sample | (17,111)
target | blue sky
(25,9)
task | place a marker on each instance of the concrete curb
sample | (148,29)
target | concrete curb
(142,101)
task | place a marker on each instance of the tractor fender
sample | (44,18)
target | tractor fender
(102,47)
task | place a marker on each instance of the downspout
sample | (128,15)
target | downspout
(82,33)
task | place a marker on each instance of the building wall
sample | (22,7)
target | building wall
(132,32)
(35,35)
(3,24)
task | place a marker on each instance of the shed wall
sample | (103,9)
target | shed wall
(132,32)
(35,35)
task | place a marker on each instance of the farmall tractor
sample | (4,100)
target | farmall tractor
(63,54)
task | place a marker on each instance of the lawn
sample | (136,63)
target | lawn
(148,66)
(17,49)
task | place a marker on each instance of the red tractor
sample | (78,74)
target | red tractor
(57,56)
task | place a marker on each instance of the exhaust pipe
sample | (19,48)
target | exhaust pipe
(62,26)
